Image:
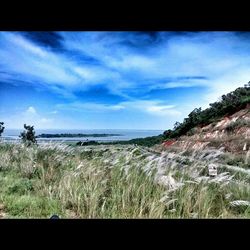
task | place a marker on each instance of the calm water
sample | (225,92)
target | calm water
(126,134)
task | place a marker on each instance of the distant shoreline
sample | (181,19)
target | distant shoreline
(79,135)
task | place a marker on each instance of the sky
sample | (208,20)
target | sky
(116,80)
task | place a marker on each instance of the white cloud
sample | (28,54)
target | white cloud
(222,57)
(207,54)
(31,110)
(45,120)
(94,75)
(19,41)
(20,57)
(30,116)
(152,107)
(131,62)
(88,106)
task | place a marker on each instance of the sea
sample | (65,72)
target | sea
(124,134)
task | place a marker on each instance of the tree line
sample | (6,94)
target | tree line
(227,105)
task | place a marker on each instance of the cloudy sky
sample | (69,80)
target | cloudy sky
(123,80)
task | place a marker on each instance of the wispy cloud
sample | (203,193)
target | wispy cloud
(126,60)
(54,112)
(86,107)
(151,107)
(128,65)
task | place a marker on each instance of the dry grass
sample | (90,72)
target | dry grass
(120,182)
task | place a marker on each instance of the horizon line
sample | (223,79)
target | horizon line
(87,129)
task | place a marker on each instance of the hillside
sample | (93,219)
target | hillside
(230,132)
(215,125)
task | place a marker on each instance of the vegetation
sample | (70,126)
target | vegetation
(229,104)
(87,143)
(28,136)
(118,181)
(75,135)
(1,128)
(41,181)
(147,142)
(237,124)
(111,180)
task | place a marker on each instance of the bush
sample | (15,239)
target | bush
(191,132)
(28,137)
(1,128)
(146,142)
(87,143)
(21,187)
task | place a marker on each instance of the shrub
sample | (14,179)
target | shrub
(191,132)
(28,136)
(1,128)
(21,187)
(87,143)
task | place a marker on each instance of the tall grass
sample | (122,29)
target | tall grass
(112,181)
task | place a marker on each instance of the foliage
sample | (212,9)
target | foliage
(28,137)
(87,143)
(228,104)
(147,142)
(1,128)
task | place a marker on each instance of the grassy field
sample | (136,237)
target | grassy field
(121,181)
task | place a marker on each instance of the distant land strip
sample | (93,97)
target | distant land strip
(75,135)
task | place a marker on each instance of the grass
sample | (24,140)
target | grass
(20,199)
(119,181)
(230,128)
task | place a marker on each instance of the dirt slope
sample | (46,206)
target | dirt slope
(231,132)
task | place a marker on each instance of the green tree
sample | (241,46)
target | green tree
(1,128)
(167,133)
(28,135)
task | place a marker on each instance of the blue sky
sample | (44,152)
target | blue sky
(116,80)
